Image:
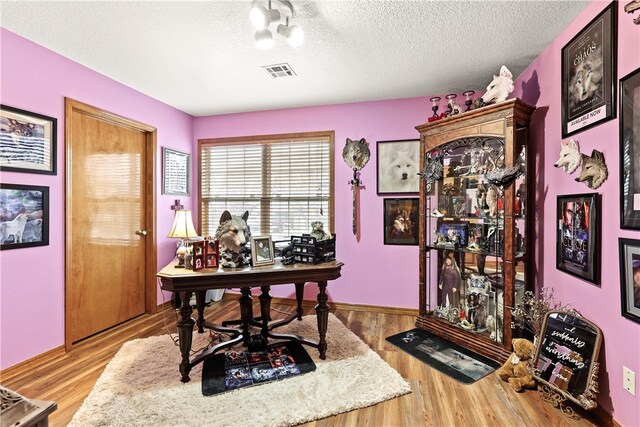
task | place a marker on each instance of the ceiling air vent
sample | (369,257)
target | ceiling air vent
(280,70)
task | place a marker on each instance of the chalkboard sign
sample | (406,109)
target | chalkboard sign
(566,357)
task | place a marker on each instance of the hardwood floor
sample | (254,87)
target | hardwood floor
(436,400)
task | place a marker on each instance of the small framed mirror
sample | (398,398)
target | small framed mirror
(566,357)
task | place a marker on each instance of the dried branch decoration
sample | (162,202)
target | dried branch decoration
(529,314)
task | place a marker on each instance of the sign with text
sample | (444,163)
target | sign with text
(567,353)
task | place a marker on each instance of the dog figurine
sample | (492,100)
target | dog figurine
(234,234)
(594,170)
(403,171)
(500,87)
(570,156)
(356,153)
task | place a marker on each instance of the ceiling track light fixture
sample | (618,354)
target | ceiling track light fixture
(265,13)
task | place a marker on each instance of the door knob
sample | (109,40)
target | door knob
(141,232)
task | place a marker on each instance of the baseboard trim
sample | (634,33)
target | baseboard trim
(602,418)
(165,305)
(27,365)
(337,305)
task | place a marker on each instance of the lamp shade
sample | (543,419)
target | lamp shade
(264,39)
(261,17)
(293,34)
(183,225)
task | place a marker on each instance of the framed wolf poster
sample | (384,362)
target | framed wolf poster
(630,278)
(578,240)
(589,74)
(398,165)
(630,150)
(401,221)
(24,218)
(27,141)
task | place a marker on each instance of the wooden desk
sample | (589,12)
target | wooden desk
(186,282)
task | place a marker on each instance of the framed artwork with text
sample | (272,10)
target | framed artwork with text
(578,237)
(589,74)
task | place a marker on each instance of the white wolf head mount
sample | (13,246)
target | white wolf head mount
(500,87)
(594,170)
(570,156)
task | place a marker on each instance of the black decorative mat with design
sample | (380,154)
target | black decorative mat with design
(236,369)
(449,358)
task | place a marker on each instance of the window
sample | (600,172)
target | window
(284,181)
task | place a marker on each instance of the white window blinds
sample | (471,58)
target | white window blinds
(284,183)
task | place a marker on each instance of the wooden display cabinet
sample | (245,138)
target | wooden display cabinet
(474,234)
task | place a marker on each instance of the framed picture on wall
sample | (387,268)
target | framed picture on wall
(27,141)
(25,216)
(176,167)
(630,150)
(589,74)
(401,221)
(578,236)
(630,278)
(398,165)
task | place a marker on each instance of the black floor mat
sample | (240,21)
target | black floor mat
(236,369)
(449,358)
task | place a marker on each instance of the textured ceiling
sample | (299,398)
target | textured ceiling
(200,57)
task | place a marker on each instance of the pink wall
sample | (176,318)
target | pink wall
(32,287)
(373,274)
(539,84)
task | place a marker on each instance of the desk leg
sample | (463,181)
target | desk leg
(185,334)
(200,297)
(322,311)
(246,312)
(265,309)
(299,296)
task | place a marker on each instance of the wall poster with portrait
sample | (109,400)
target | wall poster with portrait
(578,236)
(401,221)
(589,74)
(630,278)
(630,150)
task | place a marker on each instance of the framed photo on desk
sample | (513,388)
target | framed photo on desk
(262,251)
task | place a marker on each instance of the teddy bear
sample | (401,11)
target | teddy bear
(318,232)
(514,369)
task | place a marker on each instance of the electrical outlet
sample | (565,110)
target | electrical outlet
(629,380)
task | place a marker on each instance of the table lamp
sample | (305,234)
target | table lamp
(182,229)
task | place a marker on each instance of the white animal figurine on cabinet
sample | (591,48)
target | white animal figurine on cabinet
(500,87)
(570,156)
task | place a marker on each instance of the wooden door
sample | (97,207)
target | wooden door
(109,256)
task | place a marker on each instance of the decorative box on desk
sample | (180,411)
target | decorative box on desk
(307,250)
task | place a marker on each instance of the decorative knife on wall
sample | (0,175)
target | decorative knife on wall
(356,155)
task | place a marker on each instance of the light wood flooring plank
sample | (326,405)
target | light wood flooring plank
(436,400)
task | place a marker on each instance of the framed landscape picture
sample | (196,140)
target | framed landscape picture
(630,150)
(630,278)
(401,221)
(578,239)
(175,172)
(24,216)
(398,165)
(27,141)
(589,74)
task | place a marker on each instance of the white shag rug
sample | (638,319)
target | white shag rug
(141,386)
